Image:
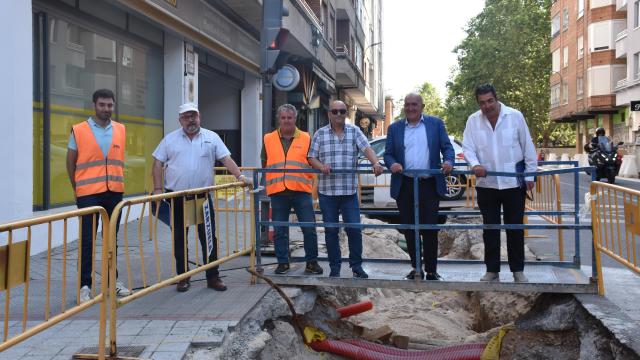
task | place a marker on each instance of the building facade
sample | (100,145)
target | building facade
(585,68)
(155,55)
(628,88)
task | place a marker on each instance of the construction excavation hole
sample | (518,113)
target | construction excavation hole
(535,326)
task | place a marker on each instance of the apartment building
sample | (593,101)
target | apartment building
(585,68)
(628,88)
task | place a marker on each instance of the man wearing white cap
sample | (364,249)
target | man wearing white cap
(187,157)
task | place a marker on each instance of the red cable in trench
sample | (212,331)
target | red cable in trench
(364,350)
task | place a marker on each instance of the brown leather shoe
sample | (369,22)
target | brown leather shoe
(216,284)
(183,285)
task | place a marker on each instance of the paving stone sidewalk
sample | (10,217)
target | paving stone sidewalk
(162,325)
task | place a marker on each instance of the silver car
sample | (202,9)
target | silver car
(374,192)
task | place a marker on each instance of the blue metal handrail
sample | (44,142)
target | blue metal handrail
(416,226)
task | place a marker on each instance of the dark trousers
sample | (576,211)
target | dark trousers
(179,244)
(108,200)
(512,202)
(428,205)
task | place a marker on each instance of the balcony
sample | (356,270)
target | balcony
(620,84)
(621,5)
(621,40)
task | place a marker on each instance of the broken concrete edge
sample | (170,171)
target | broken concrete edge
(613,318)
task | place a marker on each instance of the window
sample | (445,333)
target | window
(81,60)
(555,60)
(565,56)
(565,19)
(555,25)
(580,47)
(580,8)
(555,95)
(636,13)
(601,35)
(579,88)
(565,94)
(636,66)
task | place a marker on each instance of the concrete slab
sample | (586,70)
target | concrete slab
(458,275)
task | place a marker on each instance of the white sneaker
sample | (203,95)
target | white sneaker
(85,294)
(518,276)
(490,276)
(122,290)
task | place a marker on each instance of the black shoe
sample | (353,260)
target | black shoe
(313,268)
(359,273)
(434,276)
(334,273)
(282,269)
(412,275)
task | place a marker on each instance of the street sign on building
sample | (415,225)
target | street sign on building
(635,105)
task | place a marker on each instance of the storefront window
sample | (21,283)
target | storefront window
(81,61)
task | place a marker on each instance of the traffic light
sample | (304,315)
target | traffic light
(273,35)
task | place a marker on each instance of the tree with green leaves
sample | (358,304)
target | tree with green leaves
(507,45)
(430,98)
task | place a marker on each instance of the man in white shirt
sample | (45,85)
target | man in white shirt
(187,157)
(496,138)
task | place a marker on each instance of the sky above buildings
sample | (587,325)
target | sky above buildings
(419,37)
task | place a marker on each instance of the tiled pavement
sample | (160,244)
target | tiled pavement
(163,324)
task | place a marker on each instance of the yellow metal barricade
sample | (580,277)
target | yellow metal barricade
(15,275)
(547,197)
(234,229)
(615,217)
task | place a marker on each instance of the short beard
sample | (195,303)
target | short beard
(104,118)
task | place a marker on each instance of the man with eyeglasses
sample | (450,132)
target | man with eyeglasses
(496,138)
(415,143)
(336,147)
(187,157)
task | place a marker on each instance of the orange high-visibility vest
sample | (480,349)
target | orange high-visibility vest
(296,158)
(94,173)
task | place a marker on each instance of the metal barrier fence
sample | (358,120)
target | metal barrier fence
(547,197)
(233,221)
(611,205)
(16,273)
(416,227)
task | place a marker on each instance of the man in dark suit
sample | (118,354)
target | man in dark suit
(415,143)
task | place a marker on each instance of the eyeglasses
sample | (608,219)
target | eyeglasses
(187,117)
(336,111)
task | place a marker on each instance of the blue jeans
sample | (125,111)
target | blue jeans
(332,207)
(303,206)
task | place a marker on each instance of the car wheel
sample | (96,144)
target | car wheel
(455,187)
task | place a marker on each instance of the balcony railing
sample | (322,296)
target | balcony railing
(622,34)
(621,83)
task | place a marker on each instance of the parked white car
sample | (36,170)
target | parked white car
(374,191)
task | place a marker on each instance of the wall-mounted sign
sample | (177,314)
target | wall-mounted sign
(635,105)
(287,78)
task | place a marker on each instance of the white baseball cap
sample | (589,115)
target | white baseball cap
(186,107)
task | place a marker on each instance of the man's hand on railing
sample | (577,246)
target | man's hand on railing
(396,168)
(479,171)
(446,168)
(377,169)
(247,181)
